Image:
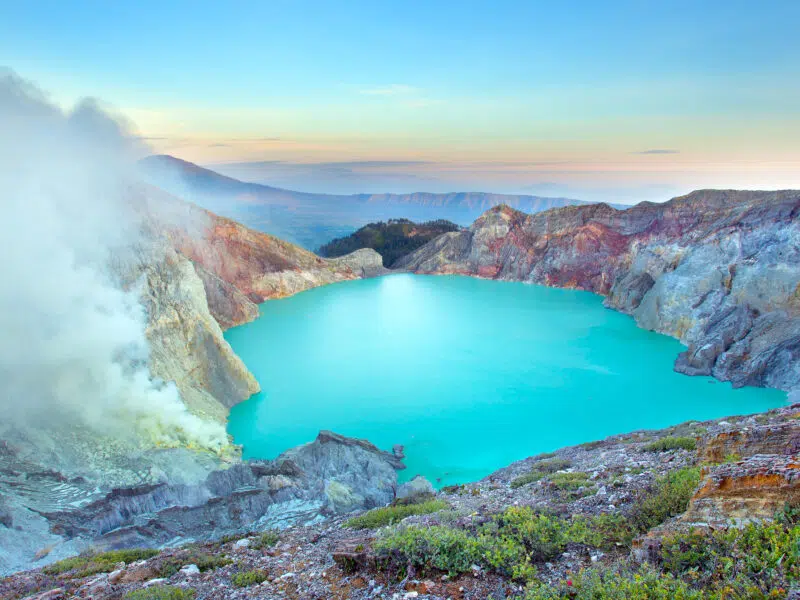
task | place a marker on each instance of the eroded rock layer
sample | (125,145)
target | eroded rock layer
(717,269)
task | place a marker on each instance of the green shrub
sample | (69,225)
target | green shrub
(543,536)
(91,564)
(669,497)
(161,592)
(592,445)
(671,443)
(205,561)
(526,479)
(390,515)
(510,544)
(540,469)
(763,556)
(248,578)
(267,539)
(596,584)
(570,481)
(789,514)
(605,531)
(552,465)
(438,547)
(760,561)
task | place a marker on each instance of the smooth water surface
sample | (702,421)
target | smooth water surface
(469,375)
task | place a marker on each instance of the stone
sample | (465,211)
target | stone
(54,594)
(416,489)
(116,576)
(190,570)
(137,573)
(752,489)
(241,544)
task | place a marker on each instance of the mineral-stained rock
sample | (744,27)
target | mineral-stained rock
(331,474)
(186,342)
(257,264)
(736,443)
(754,488)
(718,269)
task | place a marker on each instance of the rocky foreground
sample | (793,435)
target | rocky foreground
(648,503)
(717,269)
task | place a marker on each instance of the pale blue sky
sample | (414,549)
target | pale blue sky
(505,95)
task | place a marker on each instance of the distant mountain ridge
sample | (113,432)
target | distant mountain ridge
(310,219)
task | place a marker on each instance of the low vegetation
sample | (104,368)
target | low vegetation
(540,470)
(510,544)
(161,592)
(517,539)
(760,561)
(669,497)
(392,239)
(572,480)
(205,561)
(390,515)
(248,578)
(267,539)
(104,562)
(671,443)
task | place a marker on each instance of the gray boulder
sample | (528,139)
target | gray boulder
(415,490)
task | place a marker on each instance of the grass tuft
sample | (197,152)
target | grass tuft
(248,578)
(390,515)
(161,592)
(104,562)
(668,444)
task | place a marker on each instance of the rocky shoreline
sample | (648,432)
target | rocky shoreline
(748,467)
(717,269)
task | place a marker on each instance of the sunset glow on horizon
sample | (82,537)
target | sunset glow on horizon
(623,102)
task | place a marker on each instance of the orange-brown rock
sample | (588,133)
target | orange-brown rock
(742,442)
(754,488)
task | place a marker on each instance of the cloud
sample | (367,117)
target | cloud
(658,151)
(393,89)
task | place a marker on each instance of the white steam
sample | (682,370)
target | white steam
(73,347)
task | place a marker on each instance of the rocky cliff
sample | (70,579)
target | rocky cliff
(203,274)
(717,269)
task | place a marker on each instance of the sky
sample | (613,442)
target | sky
(619,100)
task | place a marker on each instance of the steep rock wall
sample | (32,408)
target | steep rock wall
(717,269)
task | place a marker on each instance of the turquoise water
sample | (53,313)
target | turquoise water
(469,375)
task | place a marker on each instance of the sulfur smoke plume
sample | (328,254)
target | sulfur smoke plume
(73,351)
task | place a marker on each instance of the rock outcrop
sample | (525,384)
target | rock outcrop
(331,475)
(719,270)
(295,487)
(203,274)
(257,265)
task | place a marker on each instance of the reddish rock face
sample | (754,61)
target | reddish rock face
(755,488)
(739,443)
(718,269)
(239,267)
